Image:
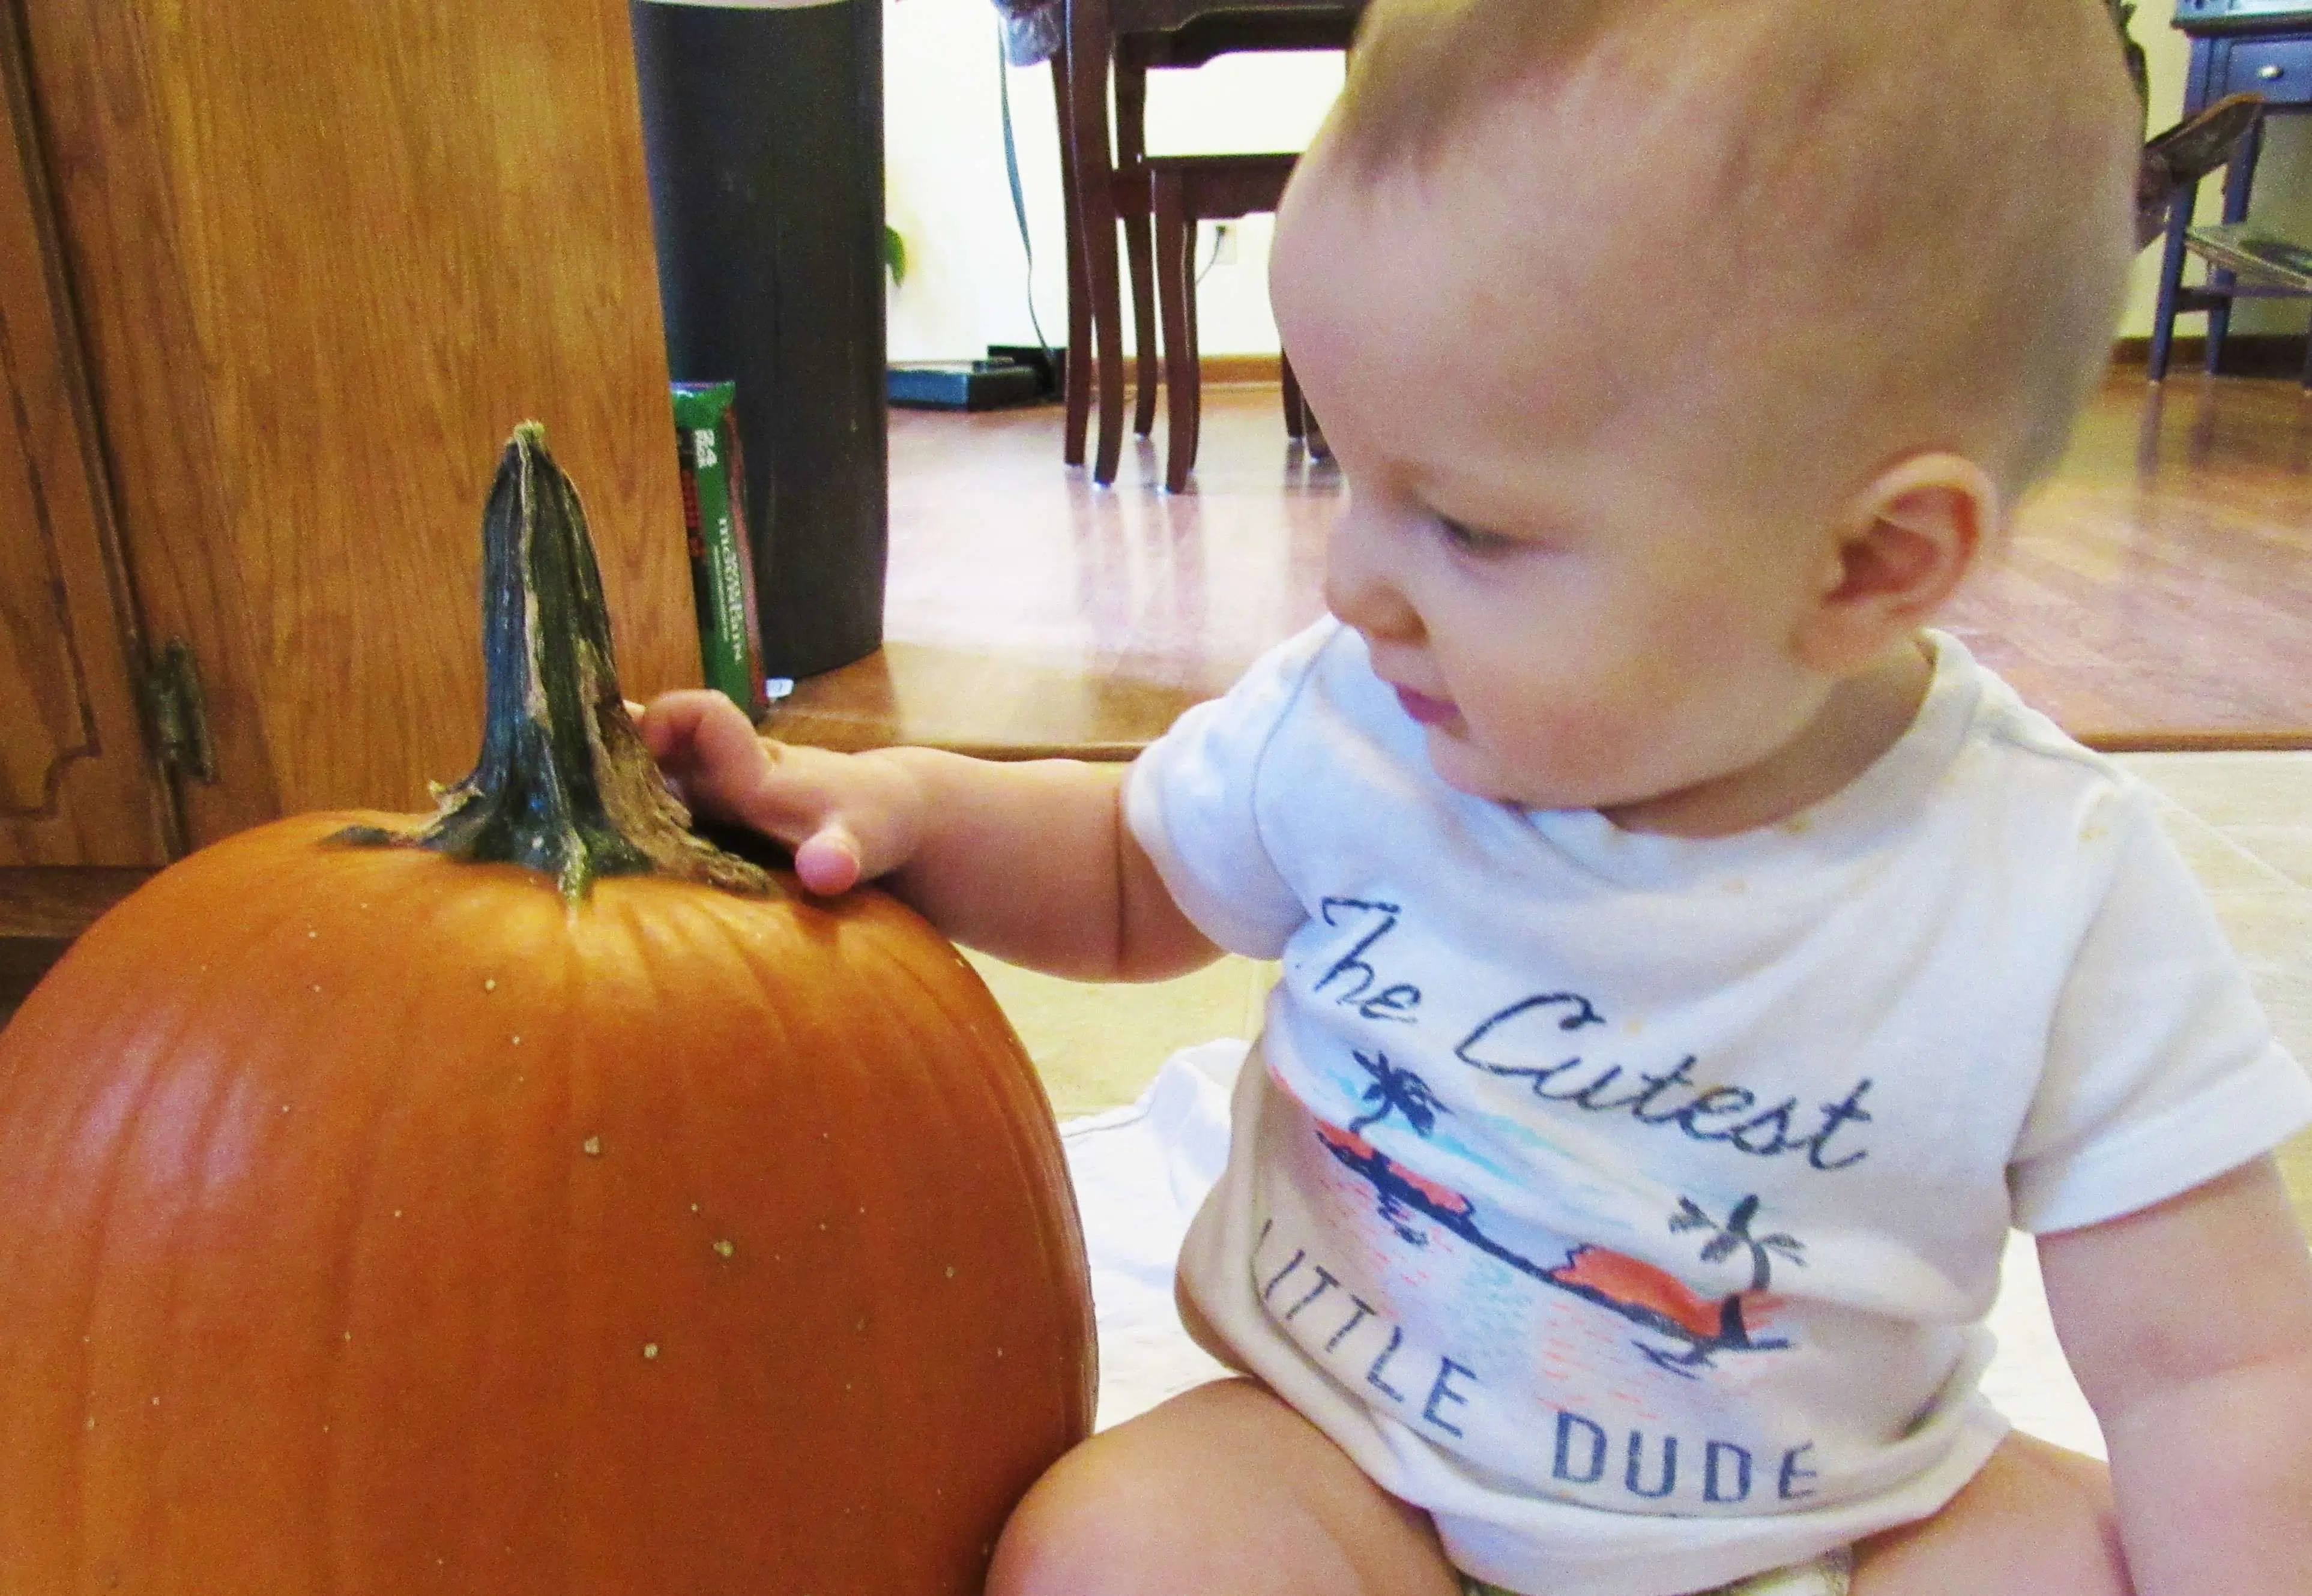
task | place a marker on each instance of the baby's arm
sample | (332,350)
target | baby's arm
(2189,1325)
(1031,862)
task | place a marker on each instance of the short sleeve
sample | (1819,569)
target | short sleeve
(2163,1072)
(1192,804)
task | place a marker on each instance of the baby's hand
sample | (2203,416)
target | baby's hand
(848,817)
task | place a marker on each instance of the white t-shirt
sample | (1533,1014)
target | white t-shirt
(1632,1202)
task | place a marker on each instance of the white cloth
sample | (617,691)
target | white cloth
(1633,1203)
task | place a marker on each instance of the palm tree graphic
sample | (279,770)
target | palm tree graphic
(1735,1234)
(1396,1091)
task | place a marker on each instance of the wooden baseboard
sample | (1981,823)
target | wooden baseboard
(23,960)
(2246,354)
(2278,741)
(1239,368)
(60,901)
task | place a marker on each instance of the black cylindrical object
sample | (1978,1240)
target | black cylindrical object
(763,129)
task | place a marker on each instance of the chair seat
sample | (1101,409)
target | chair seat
(1224,187)
(1226,32)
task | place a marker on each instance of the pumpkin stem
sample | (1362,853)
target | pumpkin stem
(565,784)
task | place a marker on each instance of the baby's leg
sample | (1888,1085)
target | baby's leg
(1224,1491)
(2036,1519)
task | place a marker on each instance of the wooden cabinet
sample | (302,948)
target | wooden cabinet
(277,280)
(76,785)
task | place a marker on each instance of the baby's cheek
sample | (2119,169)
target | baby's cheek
(1594,749)
(1571,758)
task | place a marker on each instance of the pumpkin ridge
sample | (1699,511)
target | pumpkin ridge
(1021,1100)
(238,1054)
(564,1196)
(623,940)
(362,1211)
(147,1525)
(124,1133)
(81,1278)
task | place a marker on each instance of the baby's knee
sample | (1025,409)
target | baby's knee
(1220,1490)
(1084,1531)
(2037,1518)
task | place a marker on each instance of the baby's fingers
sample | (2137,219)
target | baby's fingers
(848,818)
(706,749)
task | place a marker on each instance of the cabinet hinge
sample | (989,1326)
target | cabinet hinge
(176,714)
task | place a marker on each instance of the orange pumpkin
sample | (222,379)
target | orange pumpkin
(376,1221)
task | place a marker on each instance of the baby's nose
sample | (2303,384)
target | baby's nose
(1360,589)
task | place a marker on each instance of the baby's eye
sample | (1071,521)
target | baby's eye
(1473,540)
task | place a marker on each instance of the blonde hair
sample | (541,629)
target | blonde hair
(1925,202)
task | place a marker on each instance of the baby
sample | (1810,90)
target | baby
(1692,964)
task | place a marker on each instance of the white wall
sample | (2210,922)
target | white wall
(967,282)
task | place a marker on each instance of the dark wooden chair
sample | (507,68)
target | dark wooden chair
(1108,177)
(1184,190)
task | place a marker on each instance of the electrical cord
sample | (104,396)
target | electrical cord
(1018,198)
(1019,203)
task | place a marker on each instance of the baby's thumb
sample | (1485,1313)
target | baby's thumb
(849,817)
(830,860)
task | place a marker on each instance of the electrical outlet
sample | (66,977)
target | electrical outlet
(1223,243)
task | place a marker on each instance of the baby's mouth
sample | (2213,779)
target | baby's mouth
(1427,710)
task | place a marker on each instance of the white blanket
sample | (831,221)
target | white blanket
(1141,1171)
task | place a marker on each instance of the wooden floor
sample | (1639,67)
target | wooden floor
(2158,594)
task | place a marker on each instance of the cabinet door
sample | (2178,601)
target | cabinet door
(328,256)
(76,786)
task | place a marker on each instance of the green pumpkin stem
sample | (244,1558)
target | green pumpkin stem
(564,785)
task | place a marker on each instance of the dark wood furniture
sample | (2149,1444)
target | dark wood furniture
(2268,54)
(1184,190)
(1106,169)
(268,310)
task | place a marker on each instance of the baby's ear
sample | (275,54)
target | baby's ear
(1905,543)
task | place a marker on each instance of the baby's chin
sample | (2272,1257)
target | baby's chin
(1466,769)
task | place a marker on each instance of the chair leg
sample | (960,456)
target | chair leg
(1075,379)
(2171,277)
(2240,178)
(1138,247)
(1176,292)
(1192,376)
(1295,412)
(2219,320)
(1107,320)
(1130,155)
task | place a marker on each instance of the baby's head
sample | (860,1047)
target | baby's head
(1770,274)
